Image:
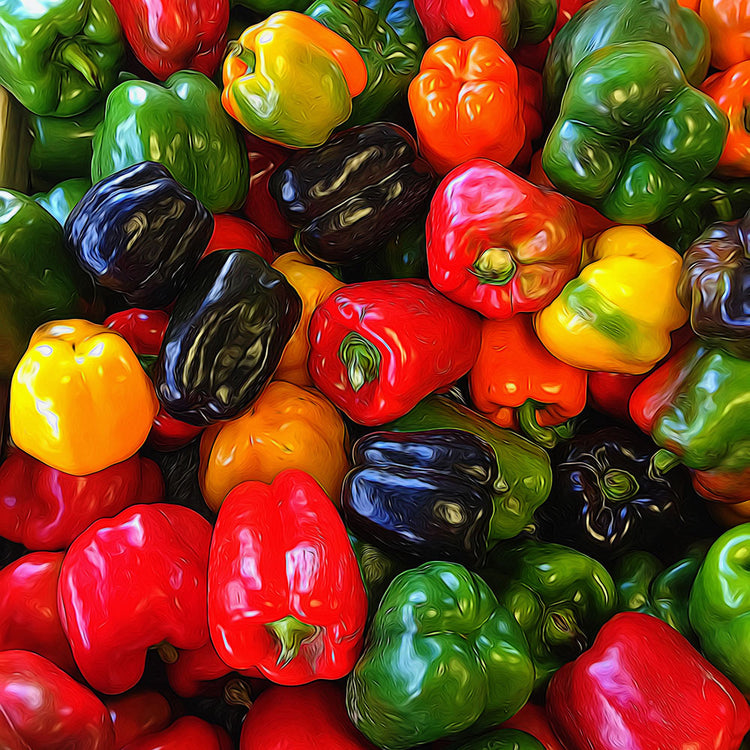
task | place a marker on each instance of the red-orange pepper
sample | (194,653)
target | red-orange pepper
(728,24)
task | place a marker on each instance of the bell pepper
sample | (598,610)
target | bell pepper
(609,392)
(402,17)
(439,631)
(466,104)
(593,27)
(530,93)
(728,23)
(559,597)
(300,101)
(34,286)
(181,125)
(131,582)
(498,244)
(44,707)
(517,383)
(140,233)
(314,285)
(632,135)
(349,196)
(524,474)
(187,731)
(715,275)
(79,400)
(390,63)
(375,371)
(633,574)
(288,427)
(532,719)
(59,57)
(378,569)
(643,685)
(285,593)
(607,500)
(729,89)
(137,713)
(693,408)
(180,470)
(45,509)
(169,37)
(264,8)
(62,198)
(730,514)
(236,318)
(617,314)
(233,233)
(501,739)
(291,716)
(424,495)
(719,604)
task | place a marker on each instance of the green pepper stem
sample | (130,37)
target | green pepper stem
(73,55)
(547,437)
(662,462)
(361,358)
(618,484)
(237,693)
(495,266)
(290,634)
(148,362)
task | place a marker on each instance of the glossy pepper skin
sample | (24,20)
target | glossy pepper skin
(378,569)
(131,582)
(402,17)
(287,427)
(233,233)
(558,596)
(665,694)
(59,57)
(532,719)
(501,739)
(285,593)
(425,495)
(62,198)
(181,125)
(617,314)
(517,383)
(46,509)
(187,731)
(375,373)
(715,276)
(44,707)
(728,23)
(499,244)
(457,660)
(301,102)
(349,196)
(173,36)
(79,399)
(524,474)
(466,103)
(239,314)
(632,135)
(138,712)
(140,233)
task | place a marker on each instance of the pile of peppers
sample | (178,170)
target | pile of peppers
(375,374)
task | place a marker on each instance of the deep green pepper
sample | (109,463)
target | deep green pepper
(59,57)
(633,574)
(501,739)
(402,17)
(378,570)
(524,471)
(181,125)
(632,135)
(441,656)
(559,596)
(63,198)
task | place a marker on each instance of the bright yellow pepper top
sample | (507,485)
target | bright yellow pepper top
(79,398)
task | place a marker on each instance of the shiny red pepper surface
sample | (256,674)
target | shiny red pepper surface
(137,713)
(285,593)
(642,685)
(132,582)
(532,719)
(187,733)
(233,233)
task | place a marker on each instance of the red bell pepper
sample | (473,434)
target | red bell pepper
(285,592)
(642,685)
(533,720)
(138,713)
(499,244)
(29,618)
(187,732)
(300,718)
(171,35)
(530,91)
(466,19)
(42,707)
(233,233)
(132,582)
(46,509)
(378,347)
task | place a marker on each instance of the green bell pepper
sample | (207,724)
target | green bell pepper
(59,57)
(633,574)
(401,16)
(559,596)
(524,470)
(720,605)
(442,656)
(181,125)
(632,135)
(501,739)
(63,198)
(378,570)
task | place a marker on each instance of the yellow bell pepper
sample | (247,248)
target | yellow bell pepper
(288,427)
(79,398)
(314,286)
(617,314)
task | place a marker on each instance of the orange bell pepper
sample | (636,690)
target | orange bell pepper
(730,89)
(728,24)
(466,103)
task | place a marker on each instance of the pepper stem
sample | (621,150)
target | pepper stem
(361,358)
(560,629)
(237,693)
(167,652)
(547,437)
(73,55)
(290,634)
(618,484)
(662,462)
(495,266)
(148,362)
